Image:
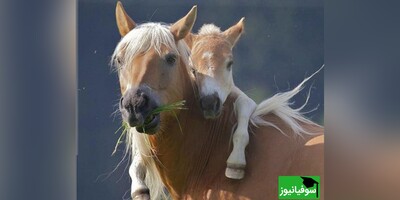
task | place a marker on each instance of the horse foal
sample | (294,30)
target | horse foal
(212,59)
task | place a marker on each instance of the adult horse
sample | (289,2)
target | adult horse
(189,156)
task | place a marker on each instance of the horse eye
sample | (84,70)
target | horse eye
(229,65)
(170,58)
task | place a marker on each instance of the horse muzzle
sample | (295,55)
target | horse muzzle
(136,106)
(211,106)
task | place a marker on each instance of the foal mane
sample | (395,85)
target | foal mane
(208,29)
(138,41)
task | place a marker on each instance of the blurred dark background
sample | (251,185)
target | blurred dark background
(283,43)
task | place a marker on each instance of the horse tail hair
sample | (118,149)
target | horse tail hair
(279,104)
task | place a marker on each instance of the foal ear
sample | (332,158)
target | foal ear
(182,27)
(233,33)
(124,22)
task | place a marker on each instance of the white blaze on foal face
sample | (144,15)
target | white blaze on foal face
(214,67)
(212,59)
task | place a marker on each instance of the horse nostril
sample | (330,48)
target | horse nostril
(204,102)
(126,105)
(217,104)
(120,102)
(145,100)
(142,101)
(211,103)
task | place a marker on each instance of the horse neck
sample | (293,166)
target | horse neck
(186,149)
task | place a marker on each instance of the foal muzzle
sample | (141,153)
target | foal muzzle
(211,106)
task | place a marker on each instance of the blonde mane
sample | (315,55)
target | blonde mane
(143,38)
(140,40)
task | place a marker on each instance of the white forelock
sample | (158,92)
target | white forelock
(143,38)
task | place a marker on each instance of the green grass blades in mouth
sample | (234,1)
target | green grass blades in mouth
(180,105)
(124,130)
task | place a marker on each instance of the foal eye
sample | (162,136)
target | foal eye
(171,59)
(229,65)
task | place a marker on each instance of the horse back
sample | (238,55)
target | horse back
(271,154)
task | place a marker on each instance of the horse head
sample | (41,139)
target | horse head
(151,61)
(211,53)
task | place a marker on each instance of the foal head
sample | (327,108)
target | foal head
(150,60)
(211,52)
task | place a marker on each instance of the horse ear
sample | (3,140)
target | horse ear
(182,27)
(233,33)
(124,22)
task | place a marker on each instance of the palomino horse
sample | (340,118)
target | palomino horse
(189,157)
(212,59)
